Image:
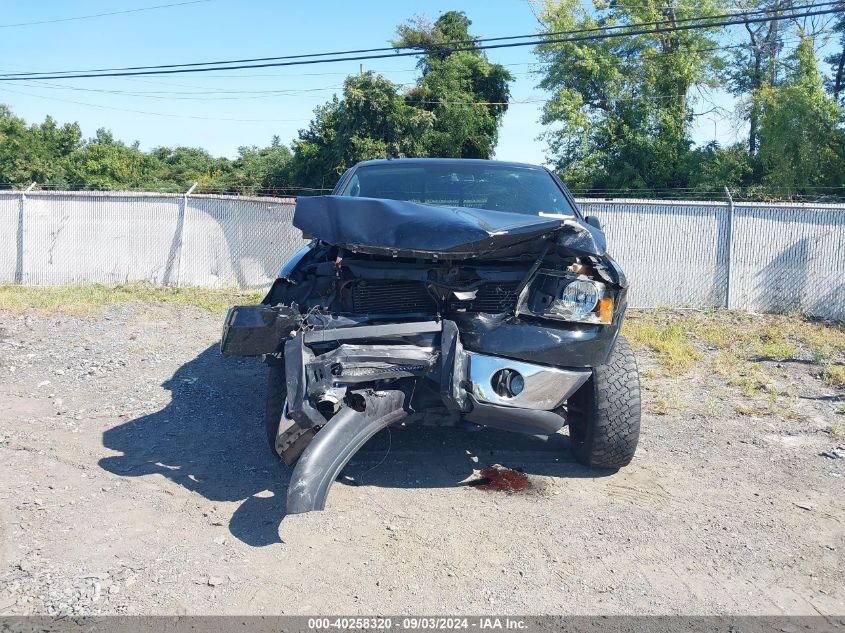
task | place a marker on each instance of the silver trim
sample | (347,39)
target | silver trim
(546,388)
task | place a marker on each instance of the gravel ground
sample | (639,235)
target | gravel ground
(134,478)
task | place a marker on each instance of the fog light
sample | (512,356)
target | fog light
(517,384)
(507,383)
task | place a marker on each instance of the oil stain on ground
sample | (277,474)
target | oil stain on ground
(501,479)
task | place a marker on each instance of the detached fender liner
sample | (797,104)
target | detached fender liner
(335,444)
(257,330)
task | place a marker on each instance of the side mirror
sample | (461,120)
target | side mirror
(593,221)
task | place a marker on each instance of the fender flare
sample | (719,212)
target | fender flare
(335,444)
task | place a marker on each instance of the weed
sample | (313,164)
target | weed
(824,342)
(752,380)
(649,373)
(749,377)
(660,406)
(670,343)
(714,334)
(726,364)
(751,411)
(741,341)
(774,350)
(834,375)
(791,415)
(713,406)
(85,298)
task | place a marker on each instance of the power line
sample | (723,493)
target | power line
(383,71)
(200,91)
(101,15)
(205,93)
(159,114)
(395,48)
(513,102)
(340,56)
(272,93)
(445,44)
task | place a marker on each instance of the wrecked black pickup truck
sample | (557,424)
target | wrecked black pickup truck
(441,291)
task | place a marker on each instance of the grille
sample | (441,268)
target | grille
(491,297)
(390,297)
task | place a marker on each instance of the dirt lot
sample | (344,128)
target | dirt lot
(134,478)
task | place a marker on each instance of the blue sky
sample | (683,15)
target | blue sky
(197,110)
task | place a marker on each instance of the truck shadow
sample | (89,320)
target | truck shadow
(210,440)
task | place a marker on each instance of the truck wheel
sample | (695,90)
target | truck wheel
(286,442)
(275,406)
(604,414)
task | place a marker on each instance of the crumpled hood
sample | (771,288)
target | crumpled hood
(398,227)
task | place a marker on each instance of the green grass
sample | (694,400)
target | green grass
(670,343)
(86,298)
(834,375)
(753,381)
(774,350)
(677,339)
(825,342)
(741,349)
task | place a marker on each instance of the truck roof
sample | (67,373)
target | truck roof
(445,161)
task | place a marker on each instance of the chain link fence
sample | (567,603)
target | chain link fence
(781,257)
(114,237)
(764,257)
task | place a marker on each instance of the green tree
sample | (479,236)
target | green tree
(438,40)
(836,83)
(38,153)
(754,63)
(620,112)
(260,168)
(53,154)
(802,144)
(177,168)
(105,163)
(371,120)
(712,167)
(466,94)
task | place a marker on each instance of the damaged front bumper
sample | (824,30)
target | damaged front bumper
(347,381)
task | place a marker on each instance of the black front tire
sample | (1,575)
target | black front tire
(275,406)
(604,414)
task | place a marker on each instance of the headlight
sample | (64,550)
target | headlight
(568,297)
(577,300)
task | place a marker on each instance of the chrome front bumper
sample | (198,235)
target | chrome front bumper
(546,388)
(468,382)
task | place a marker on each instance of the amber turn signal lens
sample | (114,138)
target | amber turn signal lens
(605,310)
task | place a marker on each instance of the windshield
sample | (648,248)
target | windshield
(497,187)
